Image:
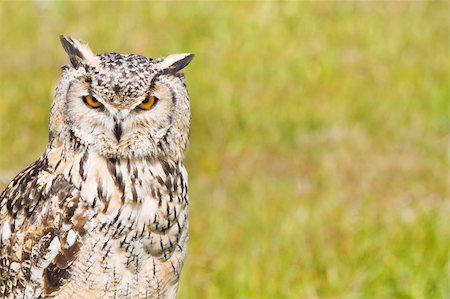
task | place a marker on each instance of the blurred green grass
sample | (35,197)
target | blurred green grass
(319,154)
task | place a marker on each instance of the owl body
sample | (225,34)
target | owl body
(104,212)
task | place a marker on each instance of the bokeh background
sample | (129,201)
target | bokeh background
(319,150)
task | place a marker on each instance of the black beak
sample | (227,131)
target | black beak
(117,130)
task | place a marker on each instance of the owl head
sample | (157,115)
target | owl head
(121,105)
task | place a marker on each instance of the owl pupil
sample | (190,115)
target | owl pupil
(145,101)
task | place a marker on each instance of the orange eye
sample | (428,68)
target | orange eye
(91,101)
(148,102)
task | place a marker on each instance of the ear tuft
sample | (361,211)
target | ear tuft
(78,51)
(175,63)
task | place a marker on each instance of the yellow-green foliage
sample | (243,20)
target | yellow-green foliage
(317,157)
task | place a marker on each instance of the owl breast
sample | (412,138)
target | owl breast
(136,227)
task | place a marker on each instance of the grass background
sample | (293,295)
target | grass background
(319,151)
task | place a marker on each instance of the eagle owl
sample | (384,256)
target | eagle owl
(103,213)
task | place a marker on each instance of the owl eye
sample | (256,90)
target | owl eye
(91,101)
(148,103)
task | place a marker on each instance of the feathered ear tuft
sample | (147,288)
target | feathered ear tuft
(175,63)
(79,52)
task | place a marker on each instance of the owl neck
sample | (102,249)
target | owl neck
(105,182)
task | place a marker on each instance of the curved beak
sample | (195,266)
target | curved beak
(117,129)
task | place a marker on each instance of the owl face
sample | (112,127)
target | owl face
(122,105)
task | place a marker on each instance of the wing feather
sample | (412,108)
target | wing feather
(38,210)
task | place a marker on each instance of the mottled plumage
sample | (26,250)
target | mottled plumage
(103,213)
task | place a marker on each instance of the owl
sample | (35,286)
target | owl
(103,213)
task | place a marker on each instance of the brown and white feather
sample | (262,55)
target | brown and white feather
(97,217)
